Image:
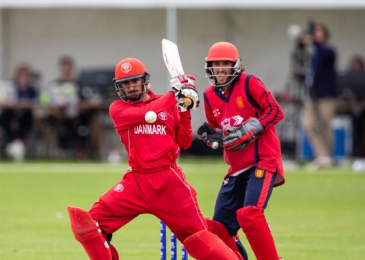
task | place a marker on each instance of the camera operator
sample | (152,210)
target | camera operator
(300,66)
(320,105)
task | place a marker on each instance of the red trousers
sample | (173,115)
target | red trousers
(163,193)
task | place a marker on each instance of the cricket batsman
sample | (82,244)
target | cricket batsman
(154,184)
(241,115)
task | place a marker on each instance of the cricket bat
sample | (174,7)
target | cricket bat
(172,60)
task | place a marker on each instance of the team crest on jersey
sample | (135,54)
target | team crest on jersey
(239,102)
(216,112)
(119,187)
(163,116)
(259,173)
(126,67)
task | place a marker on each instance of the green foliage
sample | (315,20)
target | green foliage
(317,216)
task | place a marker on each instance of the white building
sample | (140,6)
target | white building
(100,33)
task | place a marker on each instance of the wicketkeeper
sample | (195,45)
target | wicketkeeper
(241,115)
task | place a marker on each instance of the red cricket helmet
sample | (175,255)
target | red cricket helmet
(128,69)
(223,51)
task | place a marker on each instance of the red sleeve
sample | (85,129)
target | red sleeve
(183,129)
(209,114)
(272,112)
(127,116)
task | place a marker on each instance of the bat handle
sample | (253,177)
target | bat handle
(187,101)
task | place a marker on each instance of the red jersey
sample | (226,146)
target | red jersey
(248,97)
(156,145)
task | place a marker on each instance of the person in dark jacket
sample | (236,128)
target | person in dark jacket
(320,106)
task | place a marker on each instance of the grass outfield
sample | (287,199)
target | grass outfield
(316,216)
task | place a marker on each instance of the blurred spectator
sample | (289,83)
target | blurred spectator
(357,64)
(63,92)
(352,89)
(351,82)
(17,117)
(63,97)
(319,108)
(73,117)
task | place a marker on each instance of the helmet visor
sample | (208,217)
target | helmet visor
(221,78)
(130,88)
(218,76)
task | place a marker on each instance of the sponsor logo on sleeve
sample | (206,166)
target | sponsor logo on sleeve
(119,187)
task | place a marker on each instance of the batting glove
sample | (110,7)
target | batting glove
(237,138)
(210,136)
(180,81)
(193,97)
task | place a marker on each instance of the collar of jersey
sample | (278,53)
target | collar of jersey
(219,93)
(152,96)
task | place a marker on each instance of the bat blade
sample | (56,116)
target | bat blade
(170,54)
(171,57)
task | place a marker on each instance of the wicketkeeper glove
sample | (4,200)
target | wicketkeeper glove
(210,136)
(237,138)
